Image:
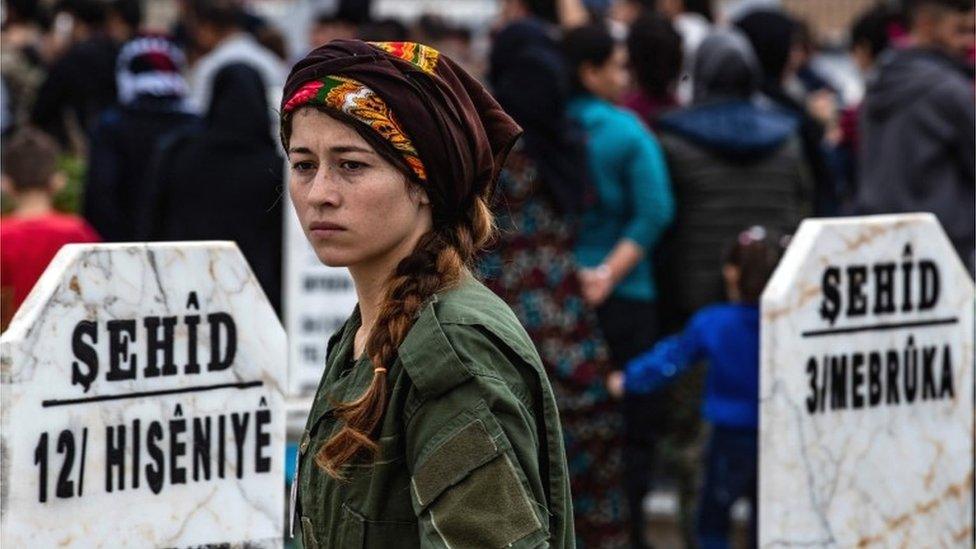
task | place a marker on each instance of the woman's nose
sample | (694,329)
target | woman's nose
(323,190)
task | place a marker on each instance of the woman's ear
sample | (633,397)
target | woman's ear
(419,194)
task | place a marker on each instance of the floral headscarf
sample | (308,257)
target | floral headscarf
(448,129)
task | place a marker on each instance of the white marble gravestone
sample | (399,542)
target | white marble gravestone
(318,300)
(142,402)
(866,392)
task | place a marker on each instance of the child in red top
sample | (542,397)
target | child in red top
(34,231)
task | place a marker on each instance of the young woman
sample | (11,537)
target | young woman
(618,233)
(434,424)
(543,188)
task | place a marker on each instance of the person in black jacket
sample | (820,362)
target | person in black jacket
(224,181)
(152,104)
(772,34)
(735,161)
(80,84)
(917,126)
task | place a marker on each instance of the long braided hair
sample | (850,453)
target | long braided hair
(438,261)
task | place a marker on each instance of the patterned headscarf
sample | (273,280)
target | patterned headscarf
(358,101)
(443,123)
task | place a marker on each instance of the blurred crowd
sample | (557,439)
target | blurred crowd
(669,149)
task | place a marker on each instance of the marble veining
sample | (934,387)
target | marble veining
(866,414)
(103,448)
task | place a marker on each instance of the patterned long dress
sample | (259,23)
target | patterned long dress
(531,267)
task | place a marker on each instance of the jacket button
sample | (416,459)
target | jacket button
(304,444)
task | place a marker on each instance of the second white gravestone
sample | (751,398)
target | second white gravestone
(866,391)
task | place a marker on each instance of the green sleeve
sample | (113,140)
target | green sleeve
(473,453)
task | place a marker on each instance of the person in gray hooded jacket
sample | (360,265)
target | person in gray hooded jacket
(917,126)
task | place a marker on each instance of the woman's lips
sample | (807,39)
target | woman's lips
(324,228)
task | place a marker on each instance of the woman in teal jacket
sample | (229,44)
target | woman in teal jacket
(620,228)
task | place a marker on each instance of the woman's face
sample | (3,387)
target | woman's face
(356,208)
(610,80)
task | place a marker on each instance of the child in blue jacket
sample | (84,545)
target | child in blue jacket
(727,336)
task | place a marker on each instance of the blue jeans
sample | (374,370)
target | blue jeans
(731,472)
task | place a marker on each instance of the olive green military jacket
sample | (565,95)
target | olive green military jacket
(471,450)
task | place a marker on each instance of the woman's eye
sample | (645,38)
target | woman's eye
(303,166)
(351,165)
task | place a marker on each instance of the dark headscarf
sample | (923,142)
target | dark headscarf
(531,80)
(459,132)
(237,89)
(222,181)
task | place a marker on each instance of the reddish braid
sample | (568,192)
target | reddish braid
(437,263)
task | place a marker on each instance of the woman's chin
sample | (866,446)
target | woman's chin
(334,258)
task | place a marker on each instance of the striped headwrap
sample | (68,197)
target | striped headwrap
(443,123)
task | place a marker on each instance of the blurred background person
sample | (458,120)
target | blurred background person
(734,161)
(693,21)
(726,335)
(269,37)
(80,84)
(654,51)
(151,104)
(618,232)
(918,121)
(873,32)
(810,87)
(625,12)
(530,78)
(541,193)
(217,30)
(224,181)
(453,40)
(806,79)
(22,63)
(384,30)
(123,19)
(774,38)
(33,232)
(339,24)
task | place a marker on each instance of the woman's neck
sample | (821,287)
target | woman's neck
(370,279)
(370,286)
